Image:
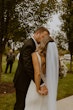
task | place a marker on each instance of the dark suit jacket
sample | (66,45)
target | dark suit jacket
(25,72)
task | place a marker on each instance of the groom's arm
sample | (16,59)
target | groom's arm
(26,59)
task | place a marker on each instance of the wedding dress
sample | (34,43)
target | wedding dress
(34,101)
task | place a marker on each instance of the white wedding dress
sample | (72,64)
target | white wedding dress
(34,101)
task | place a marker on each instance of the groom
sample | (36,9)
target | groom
(25,73)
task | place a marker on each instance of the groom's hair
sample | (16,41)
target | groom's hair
(42,29)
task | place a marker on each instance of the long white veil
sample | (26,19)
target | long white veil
(52,70)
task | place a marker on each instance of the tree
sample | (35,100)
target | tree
(7,10)
(19,17)
(61,40)
(67,27)
(35,13)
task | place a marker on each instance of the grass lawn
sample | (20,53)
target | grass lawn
(7,101)
(65,88)
(9,76)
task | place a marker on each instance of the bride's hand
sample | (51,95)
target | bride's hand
(43,90)
(43,87)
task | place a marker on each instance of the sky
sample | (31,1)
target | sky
(54,24)
(54,27)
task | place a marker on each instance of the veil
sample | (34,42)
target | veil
(52,69)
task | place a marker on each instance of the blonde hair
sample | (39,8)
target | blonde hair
(43,45)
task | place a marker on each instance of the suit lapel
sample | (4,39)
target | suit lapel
(33,43)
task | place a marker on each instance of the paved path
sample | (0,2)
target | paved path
(65,104)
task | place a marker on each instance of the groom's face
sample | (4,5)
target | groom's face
(41,36)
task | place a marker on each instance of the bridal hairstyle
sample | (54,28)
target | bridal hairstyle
(43,45)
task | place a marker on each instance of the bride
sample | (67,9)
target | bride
(46,67)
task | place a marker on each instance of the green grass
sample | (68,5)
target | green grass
(7,101)
(65,88)
(9,76)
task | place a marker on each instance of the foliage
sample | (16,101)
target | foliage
(34,13)
(6,14)
(67,17)
(17,16)
(61,40)
(67,27)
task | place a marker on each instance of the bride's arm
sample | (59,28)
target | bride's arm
(36,66)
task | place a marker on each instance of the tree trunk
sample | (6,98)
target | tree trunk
(0,66)
(71,63)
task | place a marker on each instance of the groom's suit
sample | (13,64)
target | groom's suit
(24,73)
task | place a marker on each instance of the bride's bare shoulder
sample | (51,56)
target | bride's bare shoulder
(34,53)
